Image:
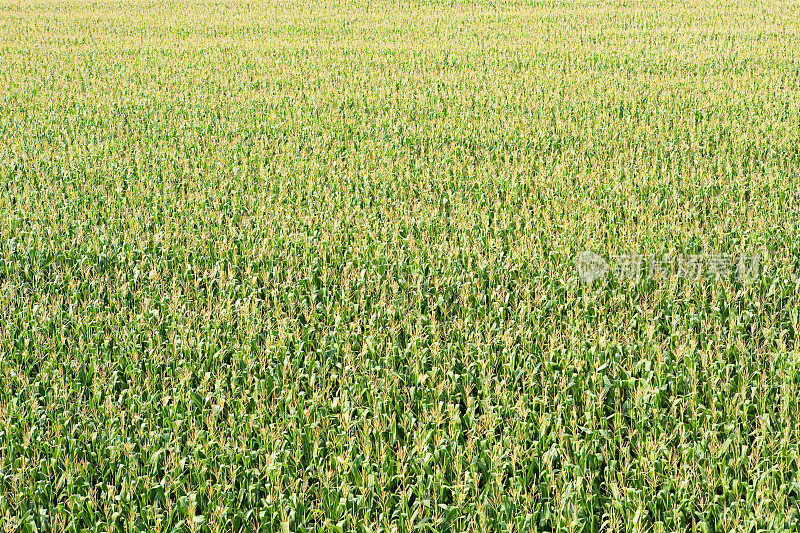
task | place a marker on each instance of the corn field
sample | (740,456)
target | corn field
(311,266)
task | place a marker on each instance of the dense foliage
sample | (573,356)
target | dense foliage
(311,266)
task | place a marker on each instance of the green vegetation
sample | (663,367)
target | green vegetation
(311,266)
